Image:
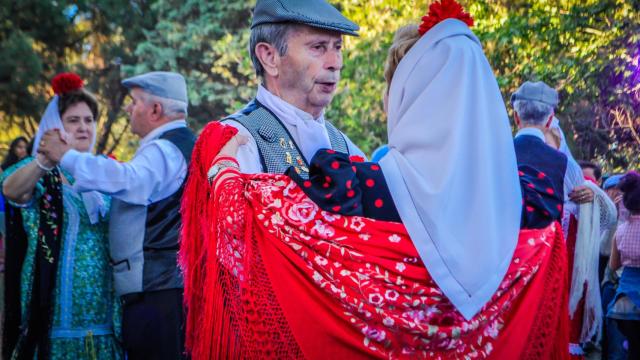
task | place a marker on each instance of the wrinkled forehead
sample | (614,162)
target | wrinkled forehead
(308,33)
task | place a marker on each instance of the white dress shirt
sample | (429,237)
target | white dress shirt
(156,171)
(309,137)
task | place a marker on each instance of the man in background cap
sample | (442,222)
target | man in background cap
(532,94)
(145,219)
(296,50)
(581,215)
(540,166)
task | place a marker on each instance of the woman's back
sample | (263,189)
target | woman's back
(628,241)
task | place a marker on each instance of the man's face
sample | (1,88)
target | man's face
(139,113)
(310,70)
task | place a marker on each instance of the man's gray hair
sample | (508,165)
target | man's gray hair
(276,35)
(532,112)
(170,107)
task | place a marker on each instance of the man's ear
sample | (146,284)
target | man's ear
(516,118)
(156,112)
(269,58)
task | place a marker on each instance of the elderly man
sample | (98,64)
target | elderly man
(541,167)
(296,49)
(145,218)
(584,221)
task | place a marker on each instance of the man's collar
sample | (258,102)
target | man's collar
(279,105)
(531,131)
(155,133)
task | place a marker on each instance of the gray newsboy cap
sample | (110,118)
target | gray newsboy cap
(536,91)
(168,85)
(314,13)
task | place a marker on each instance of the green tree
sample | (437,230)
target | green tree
(41,38)
(206,41)
(589,50)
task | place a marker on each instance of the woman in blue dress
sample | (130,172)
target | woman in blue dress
(68,306)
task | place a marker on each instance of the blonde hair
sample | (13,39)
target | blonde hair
(403,41)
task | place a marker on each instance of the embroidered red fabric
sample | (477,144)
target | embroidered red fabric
(195,238)
(277,277)
(576,322)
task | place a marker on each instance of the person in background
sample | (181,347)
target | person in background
(541,167)
(17,151)
(591,171)
(145,218)
(587,215)
(68,307)
(625,253)
(613,340)
(610,186)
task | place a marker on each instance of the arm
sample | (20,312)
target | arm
(614,260)
(157,170)
(19,186)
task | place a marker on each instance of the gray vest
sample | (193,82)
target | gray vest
(278,151)
(143,240)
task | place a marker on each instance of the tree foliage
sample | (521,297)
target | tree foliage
(589,50)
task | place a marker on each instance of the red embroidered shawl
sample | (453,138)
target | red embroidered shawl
(270,275)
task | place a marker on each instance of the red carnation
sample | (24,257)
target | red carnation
(441,10)
(66,82)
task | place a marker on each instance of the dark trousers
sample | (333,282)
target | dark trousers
(631,329)
(153,325)
(612,338)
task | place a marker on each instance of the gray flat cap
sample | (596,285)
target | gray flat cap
(314,13)
(168,85)
(536,91)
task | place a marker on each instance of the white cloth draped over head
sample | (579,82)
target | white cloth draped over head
(93,201)
(451,168)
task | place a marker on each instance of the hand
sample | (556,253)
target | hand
(581,195)
(618,199)
(232,146)
(54,145)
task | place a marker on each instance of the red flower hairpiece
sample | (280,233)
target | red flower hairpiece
(441,10)
(66,82)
